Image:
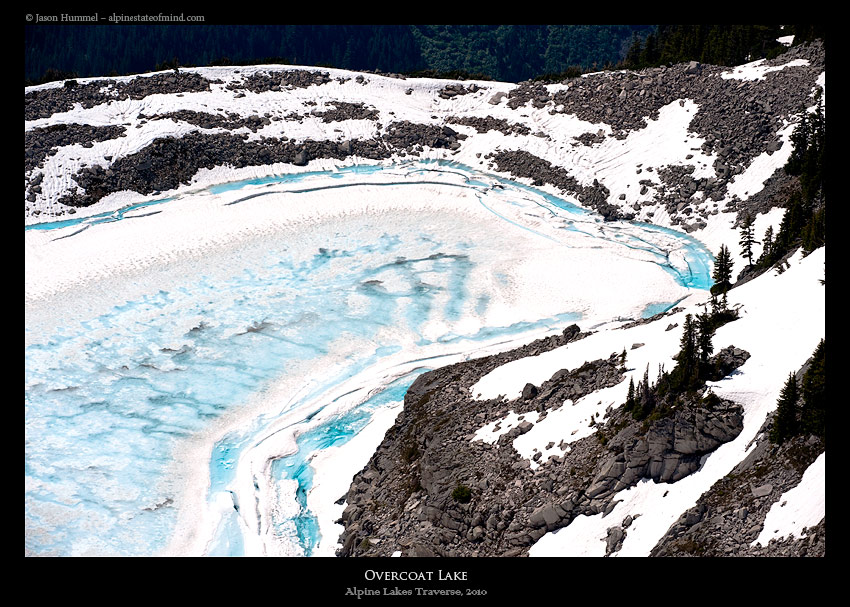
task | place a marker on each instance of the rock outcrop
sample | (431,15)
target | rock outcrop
(729,517)
(524,164)
(43,103)
(738,120)
(169,162)
(669,450)
(431,489)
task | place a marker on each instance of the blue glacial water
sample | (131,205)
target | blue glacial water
(109,399)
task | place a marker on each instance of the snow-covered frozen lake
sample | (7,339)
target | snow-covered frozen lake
(205,373)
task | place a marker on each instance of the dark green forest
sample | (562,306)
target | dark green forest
(714,44)
(510,53)
(500,52)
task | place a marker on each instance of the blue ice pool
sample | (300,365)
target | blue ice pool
(111,398)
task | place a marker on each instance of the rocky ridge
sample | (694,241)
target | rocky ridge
(737,119)
(430,489)
(43,103)
(523,164)
(40,143)
(729,517)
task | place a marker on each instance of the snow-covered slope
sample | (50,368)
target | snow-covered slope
(657,126)
(782,321)
(690,148)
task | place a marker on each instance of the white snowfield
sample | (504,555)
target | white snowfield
(782,315)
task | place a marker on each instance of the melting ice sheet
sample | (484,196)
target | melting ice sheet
(185,366)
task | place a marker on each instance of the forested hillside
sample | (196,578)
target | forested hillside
(715,44)
(499,52)
(508,53)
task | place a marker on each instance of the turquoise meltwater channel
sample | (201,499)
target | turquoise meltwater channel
(111,398)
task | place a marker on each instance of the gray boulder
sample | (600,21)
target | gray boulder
(529,391)
(496,99)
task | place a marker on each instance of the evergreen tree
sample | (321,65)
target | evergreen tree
(767,250)
(785,423)
(807,160)
(687,343)
(722,271)
(797,214)
(804,221)
(705,331)
(813,413)
(634,54)
(747,240)
(649,55)
(647,399)
(644,398)
(814,232)
(630,398)
(686,373)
